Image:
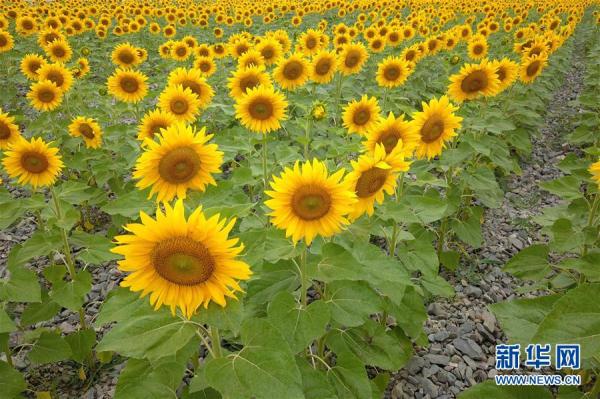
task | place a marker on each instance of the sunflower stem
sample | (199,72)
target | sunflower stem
(307,137)
(67,252)
(303,278)
(399,191)
(338,91)
(215,341)
(264,160)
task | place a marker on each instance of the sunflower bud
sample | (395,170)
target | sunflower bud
(102,91)
(85,51)
(454,59)
(318,111)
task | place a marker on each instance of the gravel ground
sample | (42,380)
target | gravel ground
(462,332)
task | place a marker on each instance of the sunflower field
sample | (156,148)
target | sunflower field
(239,199)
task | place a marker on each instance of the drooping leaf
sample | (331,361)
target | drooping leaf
(50,347)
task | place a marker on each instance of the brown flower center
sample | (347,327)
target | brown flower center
(33,66)
(204,66)
(311,43)
(86,131)
(248,82)
(56,77)
(370,182)
(474,82)
(34,162)
(179,165)
(392,72)
(501,73)
(59,52)
(477,49)
(389,141)
(361,116)
(181,51)
(292,70)
(533,68)
(194,86)
(311,202)
(261,109)
(155,128)
(46,95)
(323,66)
(129,84)
(178,106)
(126,57)
(352,59)
(4,130)
(183,261)
(432,129)
(267,53)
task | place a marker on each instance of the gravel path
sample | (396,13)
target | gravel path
(461,331)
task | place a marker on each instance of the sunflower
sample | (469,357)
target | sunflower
(44,95)
(180,51)
(127,85)
(270,49)
(393,72)
(250,58)
(57,74)
(506,71)
(48,35)
(360,116)
(180,160)
(352,58)
(88,129)
(261,109)
(477,47)
(6,41)
(473,81)
(292,72)
(182,263)
(180,102)
(594,170)
(390,132)
(33,162)
(9,131)
(309,42)
(436,124)
(82,68)
(306,201)
(125,55)
(206,66)
(30,64)
(153,122)
(192,79)
(59,50)
(532,67)
(373,175)
(323,66)
(243,80)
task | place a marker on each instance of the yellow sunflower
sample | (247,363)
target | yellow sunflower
(57,74)
(323,66)
(392,72)
(30,64)
(9,131)
(360,116)
(127,85)
(181,160)
(506,71)
(594,170)
(532,67)
(477,47)
(59,50)
(180,51)
(250,58)
(307,202)
(243,80)
(261,109)
(88,129)
(270,49)
(153,122)
(6,41)
(182,263)
(82,68)
(44,95)
(373,175)
(206,66)
(125,55)
(473,81)
(291,72)
(192,79)
(436,125)
(33,162)
(180,102)
(352,58)
(392,132)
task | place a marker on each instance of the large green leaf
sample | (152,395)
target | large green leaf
(373,345)
(39,311)
(81,343)
(265,368)
(224,317)
(483,183)
(406,305)
(574,319)
(121,305)
(50,347)
(351,302)
(349,377)
(469,230)
(489,390)
(149,336)
(520,318)
(95,249)
(428,208)
(314,381)
(336,263)
(566,187)
(298,325)
(271,279)
(21,286)
(71,294)
(6,323)
(12,382)
(531,263)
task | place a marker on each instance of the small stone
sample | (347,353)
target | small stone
(468,347)
(428,372)
(415,364)
(440,336)
(435,309)
(438,359)
(430,388)
(471,290)
(489,321)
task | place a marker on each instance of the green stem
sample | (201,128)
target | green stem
(399,191)
(590,220)
(264,160)
(67,252)
(307,137)
(442,236)
(215,340)
(338,91)
(303,277)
